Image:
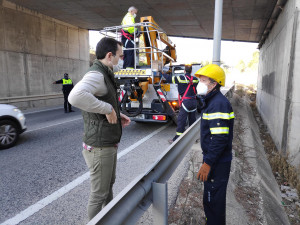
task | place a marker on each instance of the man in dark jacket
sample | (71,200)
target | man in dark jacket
(67,86)
(187,85)
(217,118)
(96,95)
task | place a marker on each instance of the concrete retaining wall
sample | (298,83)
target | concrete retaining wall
(278,97)
(36,50)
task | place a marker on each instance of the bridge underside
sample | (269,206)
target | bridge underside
(243,20)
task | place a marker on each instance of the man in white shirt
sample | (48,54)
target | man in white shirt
(96,96)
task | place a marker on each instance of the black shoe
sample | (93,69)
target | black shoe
(66,111)
(71,110)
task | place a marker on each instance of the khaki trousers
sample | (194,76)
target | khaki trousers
(102,165)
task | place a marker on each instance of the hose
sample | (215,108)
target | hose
(134,93)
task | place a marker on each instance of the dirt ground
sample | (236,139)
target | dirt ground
(188,209)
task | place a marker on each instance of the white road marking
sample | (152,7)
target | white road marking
(44,110)
(53,125)
(57,194)
(130,148)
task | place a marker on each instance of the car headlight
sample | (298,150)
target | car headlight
(17,110)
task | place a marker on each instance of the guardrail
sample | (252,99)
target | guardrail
(8,100)
(131,203)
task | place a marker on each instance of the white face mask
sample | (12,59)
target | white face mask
(118,67)
(134,15)
(202,89)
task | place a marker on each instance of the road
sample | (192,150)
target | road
(40,168)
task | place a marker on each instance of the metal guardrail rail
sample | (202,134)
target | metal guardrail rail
(8,100)
(134,200)
(131,203)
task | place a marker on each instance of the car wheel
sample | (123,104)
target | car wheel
(8,134)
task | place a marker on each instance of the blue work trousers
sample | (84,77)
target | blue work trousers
(186,105)
(128,54)
(214,196)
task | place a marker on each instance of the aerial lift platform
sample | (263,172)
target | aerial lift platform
(143,94)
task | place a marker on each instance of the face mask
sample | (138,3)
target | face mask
(134,15)
(116,68)
(202,89)
(119,66)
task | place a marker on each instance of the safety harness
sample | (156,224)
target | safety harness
(127,35)
(184,95)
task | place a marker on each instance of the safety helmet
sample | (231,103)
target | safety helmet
(214,72)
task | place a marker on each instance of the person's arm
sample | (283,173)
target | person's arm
(169,78)
(125,120)
(83,94)
(219,123)
(218,119)
(58,81)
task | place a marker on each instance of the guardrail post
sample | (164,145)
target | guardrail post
(160,203)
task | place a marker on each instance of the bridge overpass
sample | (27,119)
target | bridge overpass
(40,40)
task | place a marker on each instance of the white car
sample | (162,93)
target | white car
(12,123)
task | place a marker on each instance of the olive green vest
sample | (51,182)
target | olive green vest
(97,131)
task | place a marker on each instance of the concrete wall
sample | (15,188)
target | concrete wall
(278,95)
(36,50)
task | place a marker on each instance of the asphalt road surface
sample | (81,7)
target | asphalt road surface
(44,179)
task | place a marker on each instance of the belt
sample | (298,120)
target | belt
(90,148)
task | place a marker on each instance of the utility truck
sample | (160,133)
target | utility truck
(143,94)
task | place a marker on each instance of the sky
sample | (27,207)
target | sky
(196,50)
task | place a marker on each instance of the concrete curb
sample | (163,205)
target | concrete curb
(252,176)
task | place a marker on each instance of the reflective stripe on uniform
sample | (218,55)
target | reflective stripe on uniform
(183,81)
(177,133)
(173,80)
(67,81)
(218,115)
(219,130)
(193,110)
(186,81)
(127,42)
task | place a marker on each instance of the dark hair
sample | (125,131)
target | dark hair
(188,68)
(106,45)
(218,86)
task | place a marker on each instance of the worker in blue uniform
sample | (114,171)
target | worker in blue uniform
(187,85)
(217,118)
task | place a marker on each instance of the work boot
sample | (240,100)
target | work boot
(71,110)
